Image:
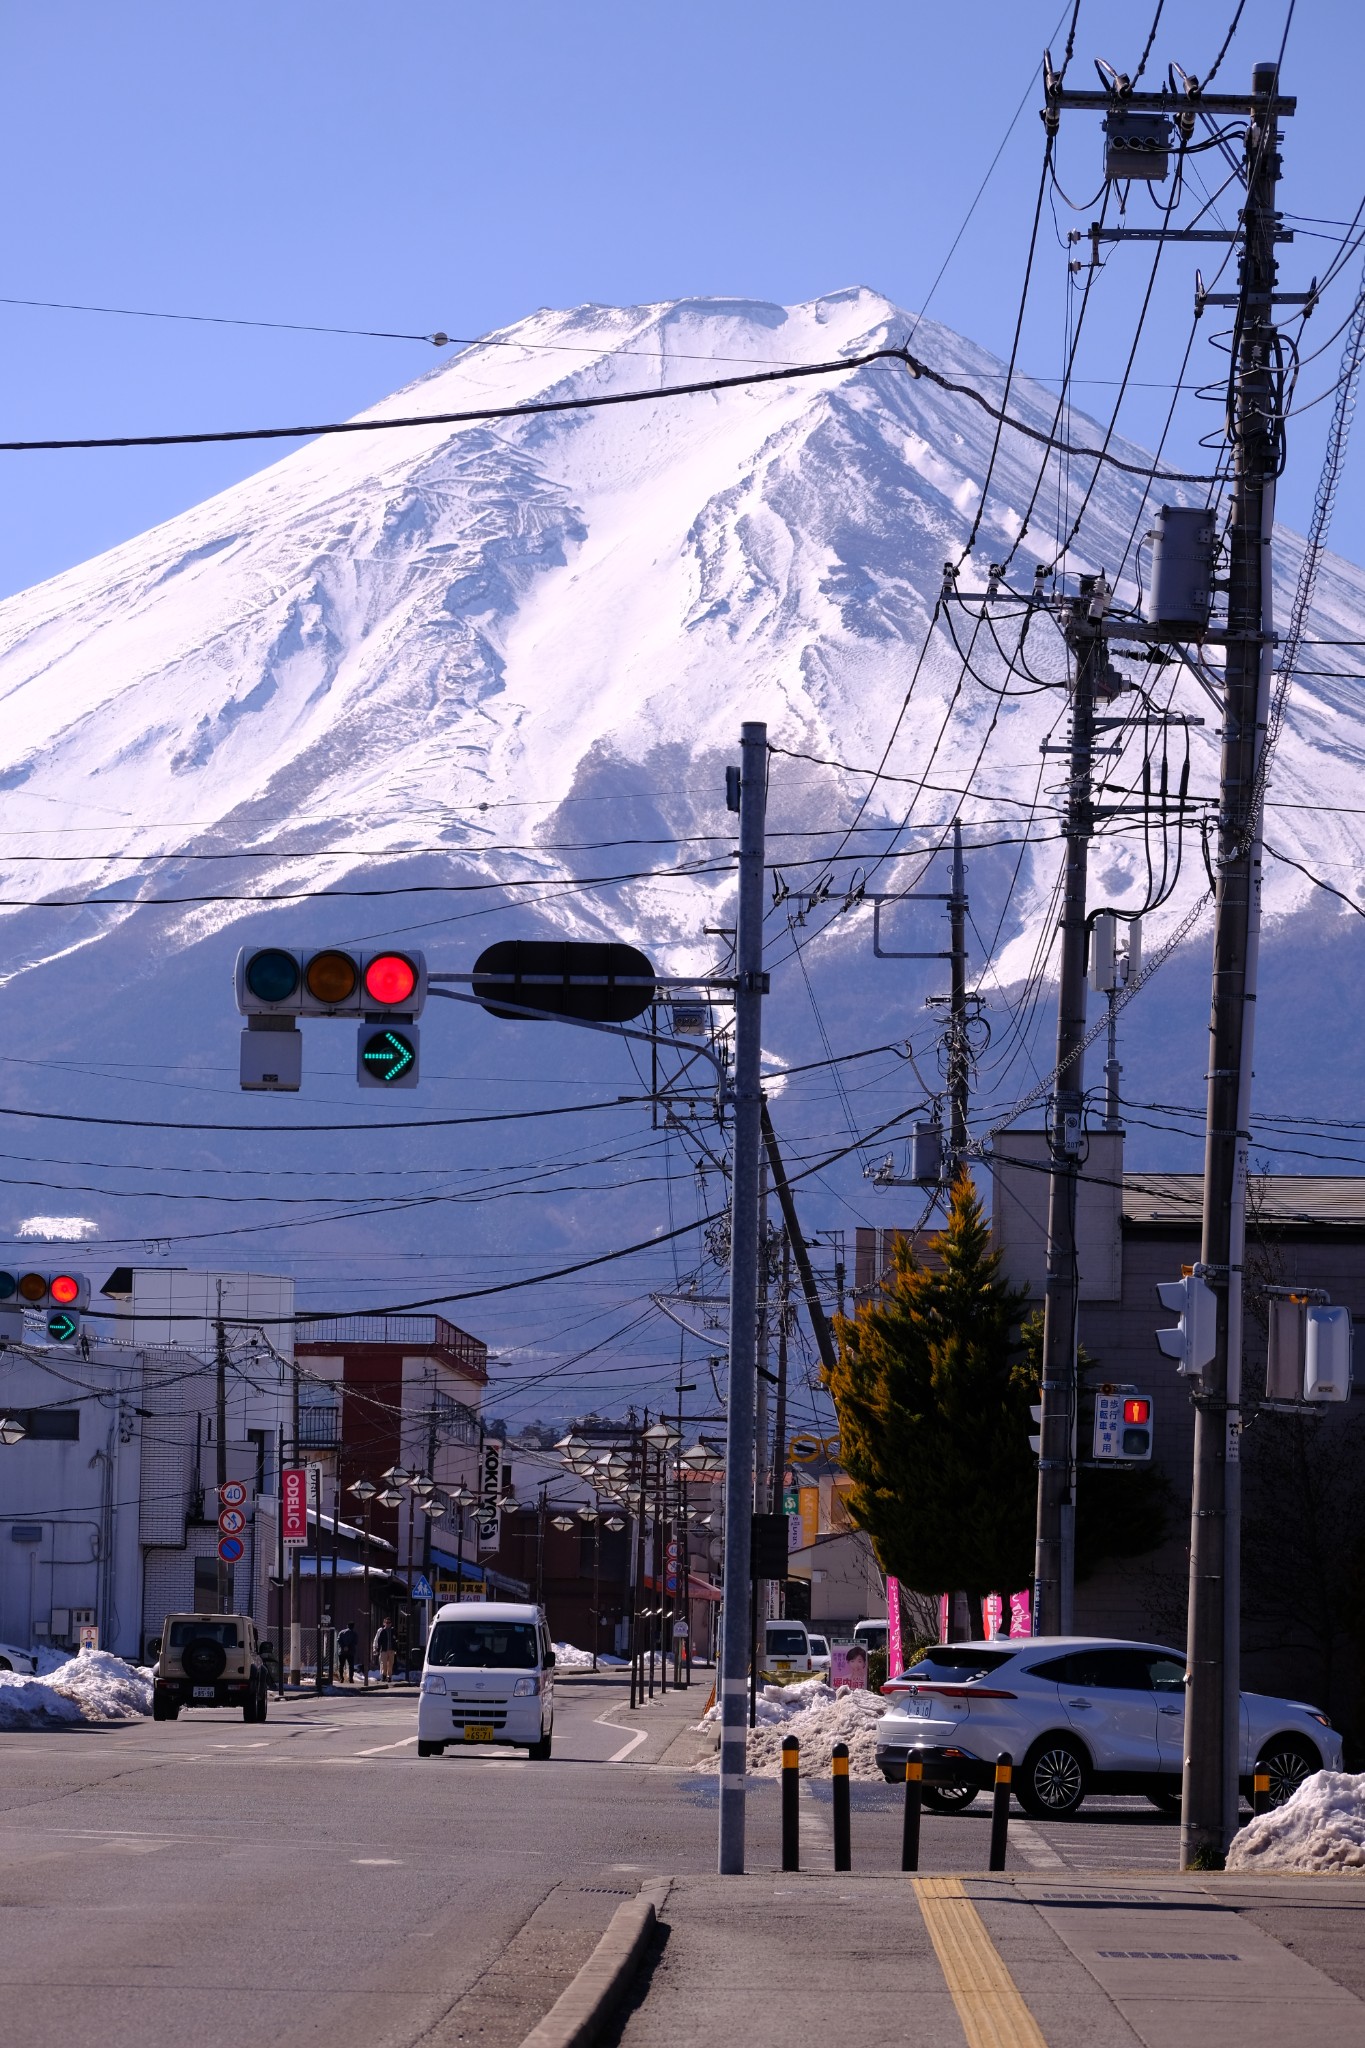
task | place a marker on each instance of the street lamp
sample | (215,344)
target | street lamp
(398,1475)
(364,1490)
(390,1497)
(12,1431)
(564,1522)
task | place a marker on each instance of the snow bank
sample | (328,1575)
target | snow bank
(569,1658)
(818,1717)
(94,1686)
(1322,1827)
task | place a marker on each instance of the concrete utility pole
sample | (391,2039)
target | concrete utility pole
(959,1059)
(1212,1707)
(1055,1559)
(220,1445)
(747,1112)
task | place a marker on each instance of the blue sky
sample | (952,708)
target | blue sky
(439,165)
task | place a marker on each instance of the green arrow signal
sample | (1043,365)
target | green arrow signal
(62,1326)
(389,1055)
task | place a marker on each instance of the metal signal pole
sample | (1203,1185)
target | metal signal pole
(750,984)
(1054,1557)
(1212,1707)
(220,1445)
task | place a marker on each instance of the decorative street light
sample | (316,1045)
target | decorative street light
(12,1430)
(390,1497)
(398,1475)
(364,1490)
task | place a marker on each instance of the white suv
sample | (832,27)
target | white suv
(1076,1714)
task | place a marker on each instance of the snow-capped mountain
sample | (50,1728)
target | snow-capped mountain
(500,658)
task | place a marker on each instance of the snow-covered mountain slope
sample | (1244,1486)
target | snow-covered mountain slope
(518,654)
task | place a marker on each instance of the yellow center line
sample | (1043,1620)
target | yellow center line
(989,2003)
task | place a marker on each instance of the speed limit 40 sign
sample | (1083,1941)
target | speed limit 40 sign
(232,1494)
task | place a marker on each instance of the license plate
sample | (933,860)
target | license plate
(782,1667)
(202,1692)
(478,1731)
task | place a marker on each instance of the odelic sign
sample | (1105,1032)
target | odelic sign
(294,1504)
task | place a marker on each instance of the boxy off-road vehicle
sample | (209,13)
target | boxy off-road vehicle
(210,1660)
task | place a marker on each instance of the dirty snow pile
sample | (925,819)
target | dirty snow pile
(569,1658)
(94,1686)
(818,1717)
(1322,1827)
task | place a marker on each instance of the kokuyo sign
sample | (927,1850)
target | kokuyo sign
(294,1503)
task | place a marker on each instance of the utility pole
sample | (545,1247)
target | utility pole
(1054,1557)
(295,1577)
(220,1445)
(1212,1705)
(819,1321)
(959,1063)
(747,1112)
(780,1421)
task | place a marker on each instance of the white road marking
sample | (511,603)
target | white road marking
(1038,1854)
(377,1862)
(380,1748)
(637,1736)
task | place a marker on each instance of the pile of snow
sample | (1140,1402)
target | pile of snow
(568,1657)
(1322,1827)
(94,1686)
(818,1717)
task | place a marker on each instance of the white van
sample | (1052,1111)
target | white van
(786,1650)
(488,1677)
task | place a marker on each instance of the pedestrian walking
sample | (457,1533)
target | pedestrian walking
(385,1649)
(346,1647)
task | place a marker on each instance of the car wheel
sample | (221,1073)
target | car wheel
(1287,1761)
(949,1798)
(431,1749)
(263,1701)
(5,1664)
(539,1751)
(1166,1801)
(1051,1785)
(160,1711)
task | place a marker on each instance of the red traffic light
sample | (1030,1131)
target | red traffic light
(64,1287)
(390,979)
(1137,1411)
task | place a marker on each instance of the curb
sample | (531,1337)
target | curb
(581,2011)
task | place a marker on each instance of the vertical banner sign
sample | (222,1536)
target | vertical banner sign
(1021,1623)
(894,1660)
(944,1602)
(993,1613)
(809,1499)
(294,1504)
(490,1486)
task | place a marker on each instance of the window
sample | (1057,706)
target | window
(1100,1670)
(489,1645)
(950,1664)
(786,1642)
(224,1632)
(1167,1672)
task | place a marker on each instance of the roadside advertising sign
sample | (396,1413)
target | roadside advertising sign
(894,1660)
(486,1514)
(294,1503)
(88,1636)
(1021,1620)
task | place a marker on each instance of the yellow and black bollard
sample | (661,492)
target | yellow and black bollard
(791,1793)
(1000,1809)
(843,1844)
(1260,1793)
(914,1801)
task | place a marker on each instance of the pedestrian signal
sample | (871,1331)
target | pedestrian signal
(1123,1427)
(1193,1341)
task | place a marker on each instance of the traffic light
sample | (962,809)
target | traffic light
(275,981)
(1192,1343)
(386,1056)
(276,984)
(1327,1354)
(57,1297)
(1035,1442)
(1123,1426)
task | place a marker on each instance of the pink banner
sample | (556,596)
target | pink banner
(1020,1619)
(894,1660)
(993,1613)
(944,1601)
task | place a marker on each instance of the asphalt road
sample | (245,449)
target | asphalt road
(208,1881)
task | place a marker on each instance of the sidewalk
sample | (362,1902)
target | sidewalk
(1010,1961)
(668,1723)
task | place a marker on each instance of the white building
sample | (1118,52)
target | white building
(107,1504)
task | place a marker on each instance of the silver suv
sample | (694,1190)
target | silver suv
(1076,1714)
(210,1660)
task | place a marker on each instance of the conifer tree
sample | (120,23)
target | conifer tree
(932,1391)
